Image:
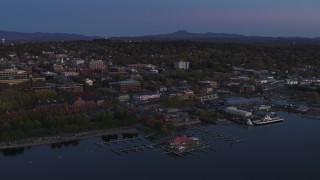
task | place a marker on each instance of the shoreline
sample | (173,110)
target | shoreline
(31,142)
(187,123)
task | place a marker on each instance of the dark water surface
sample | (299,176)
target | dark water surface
(290,150)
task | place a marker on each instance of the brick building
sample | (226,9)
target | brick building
(74,88)
(96,64)
(13,74)
(208,86)
(126,86)
(13,79)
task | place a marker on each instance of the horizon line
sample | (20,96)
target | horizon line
(155,34)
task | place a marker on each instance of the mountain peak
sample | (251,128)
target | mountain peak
(181,32)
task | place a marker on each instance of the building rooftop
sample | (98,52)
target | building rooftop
(180,139)
(130,81)
(206,82)
(13,70)
(241,100)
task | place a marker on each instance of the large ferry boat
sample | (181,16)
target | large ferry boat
(267,119)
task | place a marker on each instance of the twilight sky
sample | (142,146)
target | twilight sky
(141,17)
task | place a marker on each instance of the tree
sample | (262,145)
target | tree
(314,97)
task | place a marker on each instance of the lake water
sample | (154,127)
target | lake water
(290,150)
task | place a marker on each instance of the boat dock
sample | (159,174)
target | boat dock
(219,135)
(189,149)
(128,150)
(121,141)
(192,146)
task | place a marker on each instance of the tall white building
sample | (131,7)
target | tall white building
(181,65)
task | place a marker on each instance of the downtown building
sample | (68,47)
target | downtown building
(13,79)
(96,64)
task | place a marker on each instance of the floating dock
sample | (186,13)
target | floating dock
(219,135)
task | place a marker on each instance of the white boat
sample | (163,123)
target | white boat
(249,122)
(267,120)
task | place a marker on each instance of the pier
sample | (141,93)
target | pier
(128,150)
(99,144)
(219,135)
(123,141)
(190,148)
(122,149)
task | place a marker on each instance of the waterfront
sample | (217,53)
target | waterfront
(61,139)
(289,150)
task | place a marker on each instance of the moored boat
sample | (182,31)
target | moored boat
(267,119)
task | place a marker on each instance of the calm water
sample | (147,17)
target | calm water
(290,150)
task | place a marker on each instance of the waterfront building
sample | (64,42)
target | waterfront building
(180,140)
(238,112)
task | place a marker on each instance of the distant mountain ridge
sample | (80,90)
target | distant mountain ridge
(219,37)
(42,37)
(187,35)
(178,35)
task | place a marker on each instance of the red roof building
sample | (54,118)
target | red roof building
(180,140)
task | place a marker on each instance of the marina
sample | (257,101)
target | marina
(179,145)
(116,146)
(184,145)
(219,135)
(216,154)
(118,141)
(128,150)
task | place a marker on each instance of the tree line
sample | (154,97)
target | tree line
(39,124)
